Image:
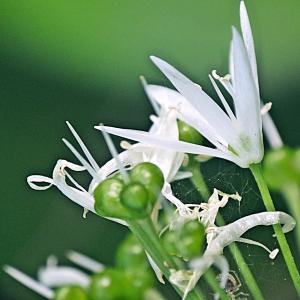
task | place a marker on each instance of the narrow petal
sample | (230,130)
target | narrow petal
(205,106)
(246,101)
(61,276)
(145,137)
(248,40)
(84,261)
(29,282)
(271,131)
(168,98)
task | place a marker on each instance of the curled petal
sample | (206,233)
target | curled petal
(33,179)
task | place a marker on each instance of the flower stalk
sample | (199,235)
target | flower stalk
(145,232)
(285,249)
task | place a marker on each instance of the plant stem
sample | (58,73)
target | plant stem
(144,230)
(291,193)
(285,249)
(199,183)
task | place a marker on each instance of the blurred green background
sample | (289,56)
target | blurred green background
(80,61)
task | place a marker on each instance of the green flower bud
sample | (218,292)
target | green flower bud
(150,176)
(113,284)
(279,168)
(131,254)
(131,258)
(70,293)
(170,241)
(188,133)
(192,239)
(107,199)
(135,198)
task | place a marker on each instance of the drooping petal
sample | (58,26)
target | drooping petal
(79,196)
(33,179)
(211,113)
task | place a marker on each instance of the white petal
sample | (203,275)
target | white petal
(29,282)
(32,179)
(271,131)
(168,98)
(83,198)
(145,137)
(248,40)
(206,107)
(84,261)
(246,99)
(62,276)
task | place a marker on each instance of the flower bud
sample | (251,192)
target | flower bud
(192,239)
(188,133)
(70,293)
(107,199)
(279,168)
(113,284)
(150,176)
(136,199)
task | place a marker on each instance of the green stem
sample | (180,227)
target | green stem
(210,278)
(144,230)
(285,249)
(201,186)
(198,179)
(291,193)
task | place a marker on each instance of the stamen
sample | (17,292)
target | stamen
(114,153)
(225,81)
(84,261)
(29,282)
(80,158)
(152,102)
(266,108)
(84,148)
(75,182)
(272,254)
(125,145)
(224,102)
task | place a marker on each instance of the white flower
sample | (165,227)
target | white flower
(168,160)
(50,276)
(236,135)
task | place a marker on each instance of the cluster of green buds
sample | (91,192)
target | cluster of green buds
(134,198)
(131,278)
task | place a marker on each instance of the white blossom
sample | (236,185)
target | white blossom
(236,135)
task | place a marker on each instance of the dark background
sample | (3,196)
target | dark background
(80,61)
